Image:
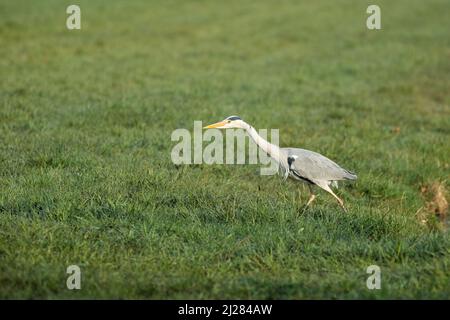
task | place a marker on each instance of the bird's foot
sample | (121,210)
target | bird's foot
(341,203)
(311,199)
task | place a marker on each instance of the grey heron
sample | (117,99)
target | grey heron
(302,165)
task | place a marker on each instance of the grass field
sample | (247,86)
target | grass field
(86,176)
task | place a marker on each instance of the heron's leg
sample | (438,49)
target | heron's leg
(327,188)
(312,195)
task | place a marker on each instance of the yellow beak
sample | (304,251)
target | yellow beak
(215,125)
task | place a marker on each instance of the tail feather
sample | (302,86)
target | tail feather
(350,175)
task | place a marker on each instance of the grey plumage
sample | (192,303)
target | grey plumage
(299,164)
(316,167)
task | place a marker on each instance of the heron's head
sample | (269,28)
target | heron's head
(228,123)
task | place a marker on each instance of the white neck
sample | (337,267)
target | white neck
(269,148)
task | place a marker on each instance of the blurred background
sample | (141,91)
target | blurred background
(85,172)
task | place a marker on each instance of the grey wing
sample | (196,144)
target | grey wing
(316,167)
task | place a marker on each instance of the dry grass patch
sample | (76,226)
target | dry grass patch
(435,212)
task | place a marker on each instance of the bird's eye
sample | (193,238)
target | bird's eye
(229,121)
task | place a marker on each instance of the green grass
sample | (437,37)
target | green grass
(85,170)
